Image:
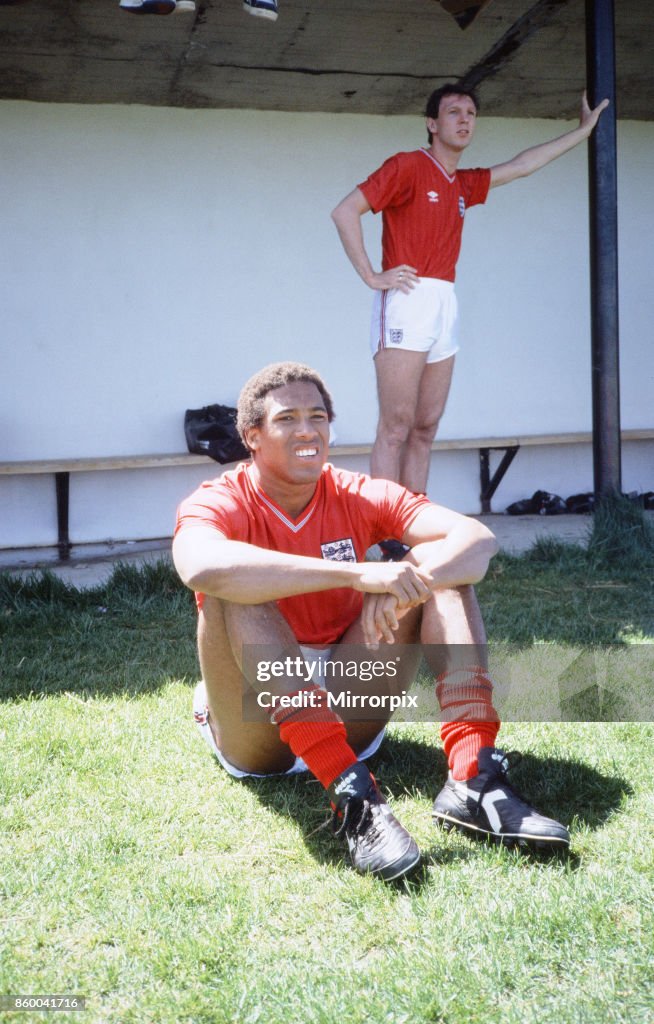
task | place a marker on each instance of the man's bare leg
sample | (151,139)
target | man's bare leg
(452,620)
(361,733)
(476,798)
(223,628)
(434,388)
(398,388)
(377,841)
(453,641)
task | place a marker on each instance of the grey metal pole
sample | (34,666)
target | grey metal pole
(603,181)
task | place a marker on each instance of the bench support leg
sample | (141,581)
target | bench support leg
(62,484)
(489,484)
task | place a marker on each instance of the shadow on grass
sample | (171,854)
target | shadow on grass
(559,788)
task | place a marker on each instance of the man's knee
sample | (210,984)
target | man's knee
(242,620)
(231,636)
(459,596)
(395,427)
(424,432)
(253,618)
(454,601)
(427,419)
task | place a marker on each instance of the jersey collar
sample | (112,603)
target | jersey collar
(295,525)
(430,156)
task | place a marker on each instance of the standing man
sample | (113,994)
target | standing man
(274,551)
(423,199)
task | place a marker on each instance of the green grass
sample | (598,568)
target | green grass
(136,873)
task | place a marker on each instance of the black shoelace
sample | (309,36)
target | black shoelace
(512,759)
(357,817)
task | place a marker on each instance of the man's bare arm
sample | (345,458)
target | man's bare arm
(449,549)
(533,159)
(347,218)
(209,563)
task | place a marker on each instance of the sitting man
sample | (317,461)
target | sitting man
(274,551)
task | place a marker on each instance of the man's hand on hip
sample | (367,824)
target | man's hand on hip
(404,278)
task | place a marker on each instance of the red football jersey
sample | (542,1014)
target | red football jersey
(423,209)
(348,513)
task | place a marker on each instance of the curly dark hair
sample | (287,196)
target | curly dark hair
(450,89)
(251,400)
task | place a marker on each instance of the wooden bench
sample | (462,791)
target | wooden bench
(62,468)
(488,483)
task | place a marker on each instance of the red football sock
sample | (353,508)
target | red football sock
(469,720)
(317,735)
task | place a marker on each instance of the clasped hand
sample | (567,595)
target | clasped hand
(390,588)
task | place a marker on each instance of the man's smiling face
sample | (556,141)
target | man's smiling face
(290,445)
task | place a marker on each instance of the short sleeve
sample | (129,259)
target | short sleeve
(211,505)
(475,184)
(396,507)
(389,185)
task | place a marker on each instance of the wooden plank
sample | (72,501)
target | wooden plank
(116,462)
(530,440)
(88,465)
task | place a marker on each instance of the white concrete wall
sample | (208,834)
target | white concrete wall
(154,258)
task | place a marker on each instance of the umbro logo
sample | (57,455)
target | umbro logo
(432,196)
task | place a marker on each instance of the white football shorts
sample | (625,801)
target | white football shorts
(425,320)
